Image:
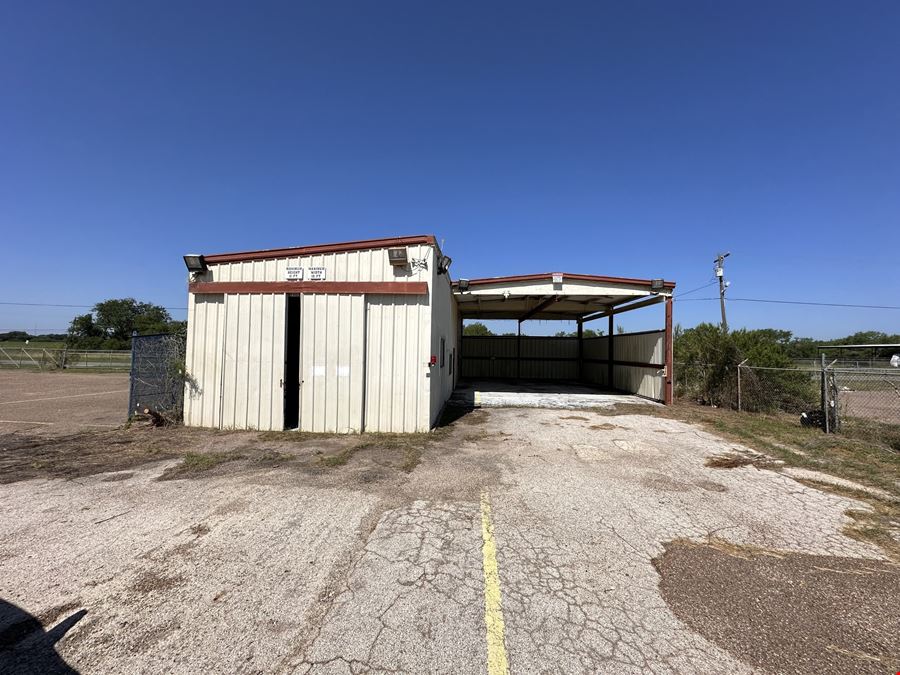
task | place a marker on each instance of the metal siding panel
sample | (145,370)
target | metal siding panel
(443,325)
(217,392)
(397,339)
(243,349)
(358,363)
(279,306)
(331,363)
(229,358)
(267,367)
(210,353)
(242,366)
(254,360)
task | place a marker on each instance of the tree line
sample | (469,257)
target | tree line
(111,323)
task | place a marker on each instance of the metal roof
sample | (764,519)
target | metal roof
(318,249)
(536,296)
(542,276)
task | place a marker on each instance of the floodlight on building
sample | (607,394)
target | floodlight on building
(463,285)
(657,285)
(195,263)
(444,264)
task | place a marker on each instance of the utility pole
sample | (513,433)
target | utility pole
(720,274)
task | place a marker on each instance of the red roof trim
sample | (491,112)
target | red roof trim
(320,287)
(572,277)
(318,249)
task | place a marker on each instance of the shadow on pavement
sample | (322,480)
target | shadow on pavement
(26,648)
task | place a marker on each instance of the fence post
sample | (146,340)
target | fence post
(65,354)
(836,402)
(131,376)
(740,365)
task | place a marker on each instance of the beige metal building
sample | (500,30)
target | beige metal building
(367,336)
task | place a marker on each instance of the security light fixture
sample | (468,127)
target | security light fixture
(397,256)
(444,264)
(657,285)
(463,285)
(195,263)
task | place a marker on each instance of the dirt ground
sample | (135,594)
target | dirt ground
(618,549)
(881,406)
(61,403)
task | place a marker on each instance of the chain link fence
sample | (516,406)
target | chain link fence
(824,395)
(867,393)
(157,377)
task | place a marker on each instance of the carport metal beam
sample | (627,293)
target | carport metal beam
(668,346)
(625,308)
(549,300)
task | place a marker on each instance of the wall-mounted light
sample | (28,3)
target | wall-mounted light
(397,256)
(463,285)
(444,264)
(195,263)
(657,285)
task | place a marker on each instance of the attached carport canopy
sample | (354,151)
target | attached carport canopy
(556,295)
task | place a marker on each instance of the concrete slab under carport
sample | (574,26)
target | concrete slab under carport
(538,394)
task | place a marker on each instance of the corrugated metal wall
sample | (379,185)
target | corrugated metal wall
(596,353)
(398,335)
(444,327)
(542,358)
(363,359)
(636,347)
(203,360)
(332,362)
(494,357)
(371,265)
(640,348)
(235,359)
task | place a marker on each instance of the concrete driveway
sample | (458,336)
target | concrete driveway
(532,540)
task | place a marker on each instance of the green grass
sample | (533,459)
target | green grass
(199,462)
(407,448)
(33,345)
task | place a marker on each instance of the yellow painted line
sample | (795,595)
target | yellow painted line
(497,663)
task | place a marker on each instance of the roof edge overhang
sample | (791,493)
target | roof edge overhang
(318,249)
(548,276)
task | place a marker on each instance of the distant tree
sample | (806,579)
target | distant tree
(14,336)
(112,322)
(707,358)
(586,333)
(478,329)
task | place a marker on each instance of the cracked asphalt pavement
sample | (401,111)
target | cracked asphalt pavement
(618,551)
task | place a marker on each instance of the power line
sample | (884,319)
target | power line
(798,302)
(50,304)
(694,290)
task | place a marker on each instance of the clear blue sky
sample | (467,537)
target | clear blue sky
(633,139)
